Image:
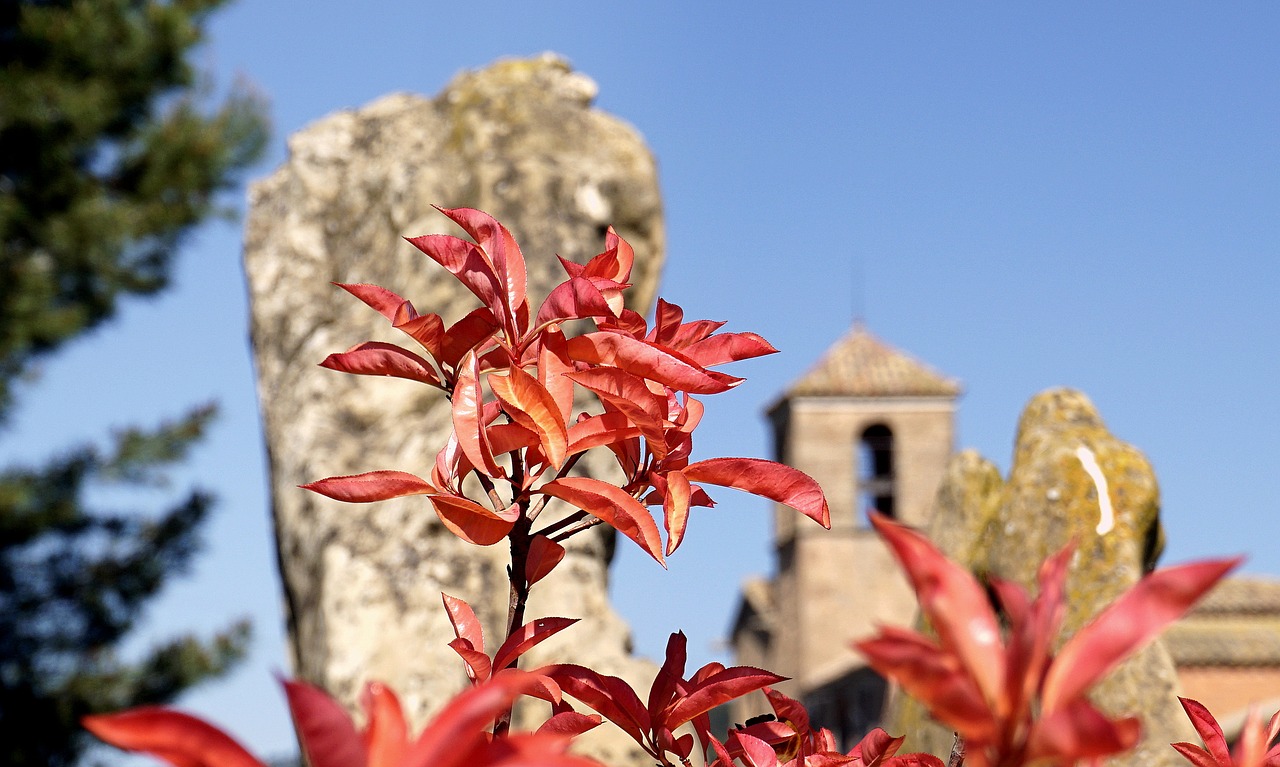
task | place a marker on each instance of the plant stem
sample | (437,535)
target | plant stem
(556,527)
(957,753)
(542,501)
(519,598)
(585,524)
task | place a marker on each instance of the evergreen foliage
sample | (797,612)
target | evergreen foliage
(109,155)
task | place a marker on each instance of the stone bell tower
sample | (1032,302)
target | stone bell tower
(875,428)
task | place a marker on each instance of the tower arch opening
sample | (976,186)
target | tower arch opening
(876,471)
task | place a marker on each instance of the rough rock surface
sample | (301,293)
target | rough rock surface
(520,141)
(1070,479)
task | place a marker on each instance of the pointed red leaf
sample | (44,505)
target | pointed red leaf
(628,395)
(464,723)
(666,322)
(1126,625)
(576,298)
(328,737)
(728,347)
(464,621)
(571,723)
(375,358)
(675,508)
(479,667)
(503,253)
(178,738)
(788,486)
(615,262)
(609,696)
(670,676)
(553,363)
(472,332)
(468,400)
(371,486)
(544,555)
(528,636)
(1208,729)
(610,503)
(469,264)
(1197,756)
(472,522)
(691,333)
(427,329)
(648,361)
(954,602)
(529,404)
(628,321)
(378,298)
(723,687)
(386,733)
(599,430)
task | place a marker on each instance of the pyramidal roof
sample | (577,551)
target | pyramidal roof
(861,365)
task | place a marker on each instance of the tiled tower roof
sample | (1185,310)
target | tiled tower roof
(861,365)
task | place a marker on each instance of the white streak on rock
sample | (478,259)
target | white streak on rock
(1107,517)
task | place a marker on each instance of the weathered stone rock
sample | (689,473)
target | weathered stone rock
(520,141)
(1071,479)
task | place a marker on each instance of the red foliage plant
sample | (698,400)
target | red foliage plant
(513,377)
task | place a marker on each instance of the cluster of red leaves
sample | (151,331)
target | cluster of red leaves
(1012,700)
(458,736)
(787,739)
(1251,748)
(645,380)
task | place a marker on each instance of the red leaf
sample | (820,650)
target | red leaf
(628,321)
(386,734)
(666,321)
(670,677)
(375,358)
(544,555)
(1080,731)
(464,621)
(528,636)
(647,361)
(479,667)
(570,723)
(467,262)
(691,333)
(612,504)
(553,363)
(467,422)
(464,723)
(328,737)
(599,430)
(378,298)
(503,252)
(955,604)
(610,696)
(628,395)
(720,688)
(529,404)
(1208,729)
(675,509)
(771,480)
(472,522)
(728,347)
(426,329)
(178,738)
(1126,625)
(574,299)
(467,334)
(371,486)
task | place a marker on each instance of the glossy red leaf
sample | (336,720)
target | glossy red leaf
(692,332)
(178,738)
(628,321)
(571,723)
(473,522)
(609,696)
(427,329)
(648,361)
(544,555)
(468,424)
(375,358)
(728,347)
(727,685)
(469,264)
(600,430)
(386,733)
(472,332)
(553,363)
(670,676)
(528,636)
(529,404)
(768,479)
(326,732)
(479,666)
(464,723)
(666,322)
(675,508)
(627,394)
(574,299)
(610,503)
(384,301)
(955,604)
(1126,625)
(502,251)
(464,621)
(371,486)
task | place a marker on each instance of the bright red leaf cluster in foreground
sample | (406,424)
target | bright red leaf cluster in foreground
(514,381)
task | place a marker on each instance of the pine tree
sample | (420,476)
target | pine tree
(109,154)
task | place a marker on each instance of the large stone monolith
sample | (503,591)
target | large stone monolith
(1070,479)
(520,141)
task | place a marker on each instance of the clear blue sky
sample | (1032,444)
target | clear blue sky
(1022,195)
